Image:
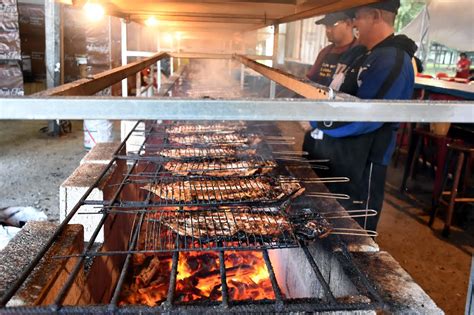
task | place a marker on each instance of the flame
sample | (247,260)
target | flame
(198,278)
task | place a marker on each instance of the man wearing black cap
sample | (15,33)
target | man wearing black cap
(362,150)
(339,31)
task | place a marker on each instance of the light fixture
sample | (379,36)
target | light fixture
(151,21)
(94,11)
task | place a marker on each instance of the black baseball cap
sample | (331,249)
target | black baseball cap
(387,5)
(332,18)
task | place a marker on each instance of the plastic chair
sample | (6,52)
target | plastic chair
(441,75)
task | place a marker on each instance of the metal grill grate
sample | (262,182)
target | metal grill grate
(196,191)
(225,228)
(152,232)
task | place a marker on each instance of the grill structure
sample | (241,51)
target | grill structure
(151,234)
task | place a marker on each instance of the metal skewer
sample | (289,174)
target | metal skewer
(354,232)
(297,153)
(284,179)
(328,195)
(349,214)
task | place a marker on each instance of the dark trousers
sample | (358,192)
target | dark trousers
(350,157)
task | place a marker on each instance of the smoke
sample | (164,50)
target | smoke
(216,78)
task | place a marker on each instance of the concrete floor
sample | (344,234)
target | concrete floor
(33,165)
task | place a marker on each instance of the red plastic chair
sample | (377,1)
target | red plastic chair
(421,75)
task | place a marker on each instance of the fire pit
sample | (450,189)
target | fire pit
(153,259)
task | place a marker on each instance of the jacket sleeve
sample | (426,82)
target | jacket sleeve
(371,77)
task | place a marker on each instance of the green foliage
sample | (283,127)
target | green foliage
(409,9)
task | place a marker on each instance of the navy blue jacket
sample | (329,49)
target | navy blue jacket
(365,75)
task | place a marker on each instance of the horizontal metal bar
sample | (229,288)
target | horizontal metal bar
(243,109)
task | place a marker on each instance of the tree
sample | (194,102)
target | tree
(409,9)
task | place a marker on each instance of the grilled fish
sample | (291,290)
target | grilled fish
(230,167)
(182,153)
(210,225)
(253,189)
(218,127)
(231,139)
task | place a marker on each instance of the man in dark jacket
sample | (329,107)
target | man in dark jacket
(362,150)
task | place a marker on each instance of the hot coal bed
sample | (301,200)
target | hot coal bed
(200,230)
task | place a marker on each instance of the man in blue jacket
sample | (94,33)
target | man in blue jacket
(362,150)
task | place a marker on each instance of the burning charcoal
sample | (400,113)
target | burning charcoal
(216,293)
(149,272)
(138,259)
(152,295)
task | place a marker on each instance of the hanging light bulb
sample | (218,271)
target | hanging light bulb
(151,21)
(94,11)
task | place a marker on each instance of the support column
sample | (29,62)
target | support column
(52,22)
(242,76)
(158,65)
(276,34)
(276,29)
(123,42)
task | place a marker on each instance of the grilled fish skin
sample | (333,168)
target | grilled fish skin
(227,224)
(220,128)
(181,153)
(231,139)
(220,168)
(258,189)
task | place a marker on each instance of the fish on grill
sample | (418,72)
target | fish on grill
(229,167)
(183,153)
(208,225)
(240,189)
(231,139)
(218,127)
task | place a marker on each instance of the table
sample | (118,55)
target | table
(461,90)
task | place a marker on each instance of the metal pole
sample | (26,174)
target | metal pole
(242,76)
(53,51)
(138,84)
(151,80)
(272,89)
(123,27)
(276,29)
(158,65)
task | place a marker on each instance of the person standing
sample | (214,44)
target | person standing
(362,150)
(339,32)
(463,66)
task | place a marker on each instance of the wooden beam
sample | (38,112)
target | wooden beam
(245,19)
(102,80)
(306,89)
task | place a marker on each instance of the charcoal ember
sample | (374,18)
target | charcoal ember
(147,274)
(216,292)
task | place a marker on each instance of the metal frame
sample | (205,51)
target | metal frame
(242,109)
(316,107)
